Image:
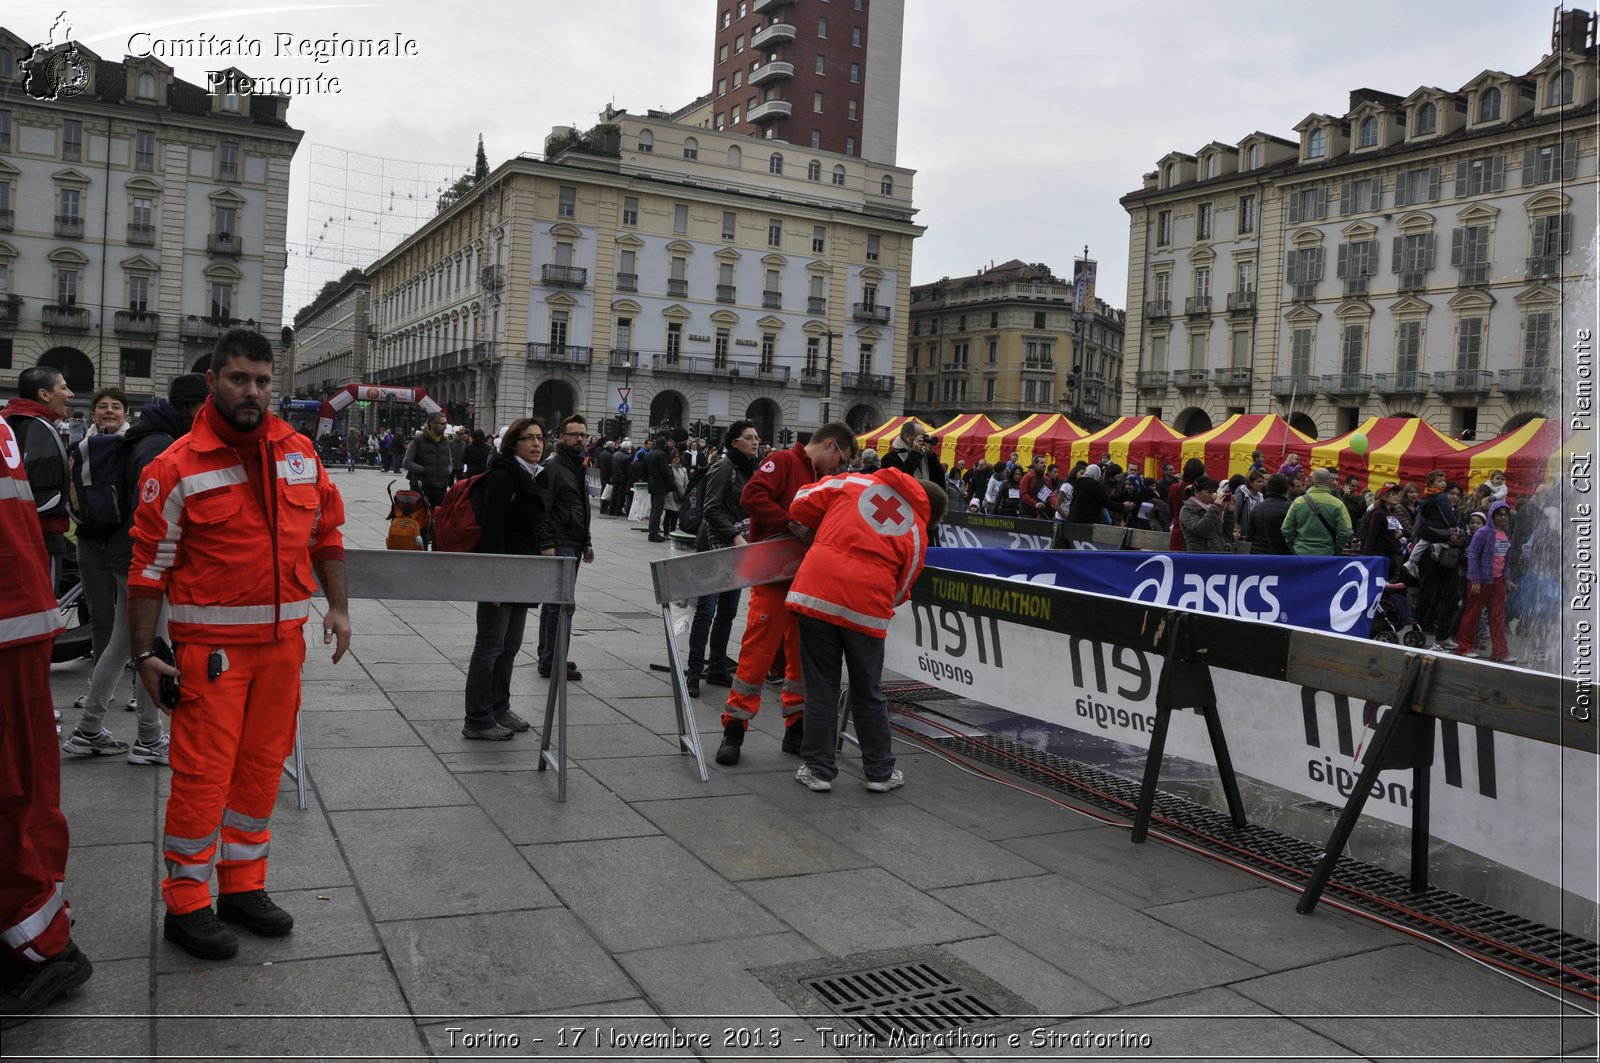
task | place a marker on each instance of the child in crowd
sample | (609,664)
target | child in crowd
(868,536)
(1487,585)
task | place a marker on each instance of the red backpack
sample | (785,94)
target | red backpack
(457,524)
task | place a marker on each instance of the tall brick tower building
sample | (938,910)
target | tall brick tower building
(818,73)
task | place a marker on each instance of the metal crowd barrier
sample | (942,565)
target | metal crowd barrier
(686,576)
(1422,689)
(1027,533)
(418,576)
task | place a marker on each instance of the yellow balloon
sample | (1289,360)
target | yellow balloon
(1358,443)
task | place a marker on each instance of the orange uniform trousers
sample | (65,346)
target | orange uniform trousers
(230,736)
(767,626)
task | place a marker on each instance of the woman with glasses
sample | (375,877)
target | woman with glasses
(511,515)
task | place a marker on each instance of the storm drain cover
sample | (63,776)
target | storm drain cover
(908,998)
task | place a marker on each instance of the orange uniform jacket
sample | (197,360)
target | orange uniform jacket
(27,604)
(236,568)
(871,539)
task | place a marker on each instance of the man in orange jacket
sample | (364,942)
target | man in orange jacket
(38,961)
(869,536)
(768,626)
(231,520)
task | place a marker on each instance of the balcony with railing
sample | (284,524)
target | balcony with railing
(65,317)
(1156,309)
(761,7)
(1355,287)
(560,354)
(1543,267)
(1232,378)
(1191,379)
(770,111)
(771,300)
(1029,365)
(622,360)
(141,235)
(8,219)
(1295,384)
(195,327)
(1152,380)
(677,287)
(10,311)
(771,372)
(1474,275)
(136,323)
(816,304)
(1530,380)
(69,227)
(1303,293)
(227,245)
(627,282)
(492,278)
(686,364)
(564,276)
(1463,381)
(776,70)
(1409,383)
(1242,302)
(727,293)
(1197,306)
(777,33)
(876,382)
(1411,280)
(811,377)
(871,313)
(1347,384)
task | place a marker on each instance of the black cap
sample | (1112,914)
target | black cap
(188,389)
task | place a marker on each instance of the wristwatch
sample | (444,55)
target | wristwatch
(140,658)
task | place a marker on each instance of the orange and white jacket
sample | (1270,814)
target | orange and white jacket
(871,540)
(234,562)
(28,610)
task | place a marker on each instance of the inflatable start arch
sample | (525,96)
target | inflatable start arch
(370,393)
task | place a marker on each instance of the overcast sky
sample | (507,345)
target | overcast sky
(1025,121)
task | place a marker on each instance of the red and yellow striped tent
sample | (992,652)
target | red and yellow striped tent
(1226,449)
(1135,443)
(964,437)
(1399,449)
(1536,453)
(1049,434)
(883,436)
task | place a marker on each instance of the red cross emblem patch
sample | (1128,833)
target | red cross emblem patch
(885,511)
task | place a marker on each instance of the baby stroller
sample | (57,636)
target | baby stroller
(1394,621)
(410,517)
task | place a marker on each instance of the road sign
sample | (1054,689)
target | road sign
(622,407)
(622,393)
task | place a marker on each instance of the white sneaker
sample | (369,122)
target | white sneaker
(154,753)
(896,779)
(810,781)
(104,744)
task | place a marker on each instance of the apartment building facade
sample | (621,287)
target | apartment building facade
(1003,342)
(139,219)
(685,274)
(822,73)
(1408,257)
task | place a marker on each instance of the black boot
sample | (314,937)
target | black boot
(200,934)
(732,739)
(256,912)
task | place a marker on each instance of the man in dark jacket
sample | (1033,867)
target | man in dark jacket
(475,459)
(723,524)
(604,457)
(1266,518)
(430,466)
(566,529)
(658,474)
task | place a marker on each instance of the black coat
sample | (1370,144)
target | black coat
(476,458)
(658,471)
(1089,501)
(512,512)
(1266,525)
(566,501)
(724,516)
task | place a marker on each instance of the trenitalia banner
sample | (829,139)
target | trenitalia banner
(1333,594)
(1525,804)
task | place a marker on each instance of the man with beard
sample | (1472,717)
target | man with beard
(566,529)
(42,397)
(430,462)
(232,519)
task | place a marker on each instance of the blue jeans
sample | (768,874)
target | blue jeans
(500,629)
(547,618)
(823,648)
(713,618)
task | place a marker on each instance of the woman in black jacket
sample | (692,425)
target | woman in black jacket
(511,514)
(723,524)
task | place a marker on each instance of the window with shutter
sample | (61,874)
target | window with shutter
(1536,340)
(1469,343)
(1300,350)
(1354,351)
(1407,346)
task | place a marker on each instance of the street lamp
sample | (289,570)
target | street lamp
(827,381)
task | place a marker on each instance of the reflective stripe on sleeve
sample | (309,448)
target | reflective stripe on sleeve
(29,927)
(876,623)
(12,487)
(172,513)
(30,626)
(834,482)
(911,571)
(237,615)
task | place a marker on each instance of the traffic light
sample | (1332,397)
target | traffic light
(785,437)
(1074,375)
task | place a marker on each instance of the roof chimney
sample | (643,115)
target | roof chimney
(1574,31)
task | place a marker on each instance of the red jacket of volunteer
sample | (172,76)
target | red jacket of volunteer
(234,565)
(871,540)
(28,610)
(770,489)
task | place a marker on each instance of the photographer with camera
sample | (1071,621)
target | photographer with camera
(916,454)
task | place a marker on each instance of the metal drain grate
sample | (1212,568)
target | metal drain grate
(911,998)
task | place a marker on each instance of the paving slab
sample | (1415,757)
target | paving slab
(1390,1003)
(1261,926)
(1108,946)
(1045,987)
(422,862)
(860,911)
(112,889)
(104,1019)
(659,778)
(305,853)
(310,1008)
(382,778)
(108,801)
(1138,875)
(501,964)
(524,805)
(918,846)
(327,922)
(639,893)
(355,729)
(979,805)
(744,837)
(770,774)
(435,679)
(618,740)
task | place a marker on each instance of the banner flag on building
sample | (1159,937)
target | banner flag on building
(1083,271)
